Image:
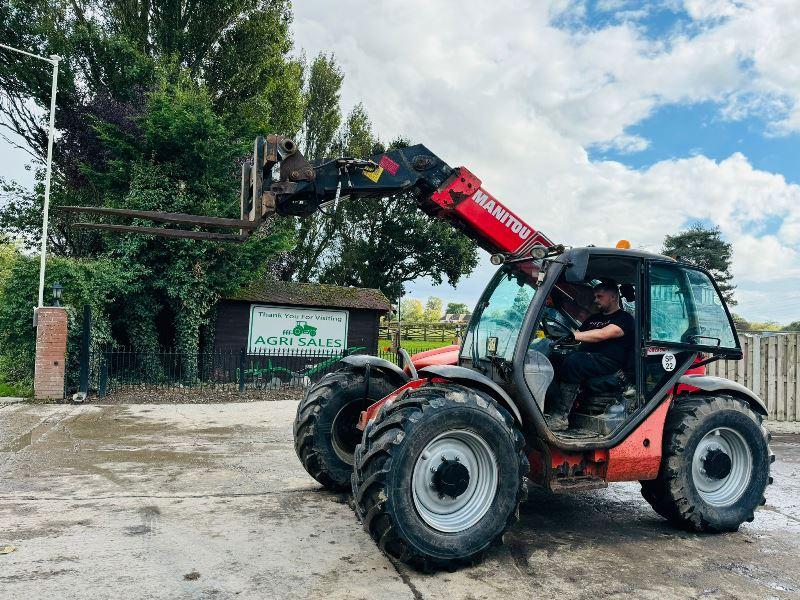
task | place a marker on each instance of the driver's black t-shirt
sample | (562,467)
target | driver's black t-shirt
(616,349)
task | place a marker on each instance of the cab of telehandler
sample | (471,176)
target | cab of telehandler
(520,333)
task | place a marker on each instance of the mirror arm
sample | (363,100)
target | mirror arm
(705,362)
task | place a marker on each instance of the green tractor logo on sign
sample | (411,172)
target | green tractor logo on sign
(303,327)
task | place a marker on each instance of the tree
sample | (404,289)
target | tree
(8,254)
(764,326)
(115,53)
(185,277)
(99,283)
(321,113)
(456,308)
(704,247)
(384,243)
(379,243)
(317,233)
(793,326)
(740,323)
(433,310)
(411,310)
(389,242)
(111,50)
(158,104)
(355,138)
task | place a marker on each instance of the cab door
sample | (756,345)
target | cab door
(684,314)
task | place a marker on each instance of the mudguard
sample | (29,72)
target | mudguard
(710,383)
(473,379)
(395,373)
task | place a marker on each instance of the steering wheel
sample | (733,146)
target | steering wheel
(554,329)
(564,337)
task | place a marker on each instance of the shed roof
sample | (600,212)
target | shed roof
(312,294)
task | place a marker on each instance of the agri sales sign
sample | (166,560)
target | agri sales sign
(275,328)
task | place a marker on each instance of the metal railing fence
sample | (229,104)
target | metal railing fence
(114,368)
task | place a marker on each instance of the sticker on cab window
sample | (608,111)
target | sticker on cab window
(668,361)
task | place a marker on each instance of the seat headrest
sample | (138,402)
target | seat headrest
(627,291)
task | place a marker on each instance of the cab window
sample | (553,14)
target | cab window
(497,321)
(686,308)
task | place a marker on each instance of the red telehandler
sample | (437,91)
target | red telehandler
(439,454)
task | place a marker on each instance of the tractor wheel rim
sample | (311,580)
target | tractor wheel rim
(345,436)
(448,455)
(722,466)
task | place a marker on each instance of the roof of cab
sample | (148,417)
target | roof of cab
(618,252)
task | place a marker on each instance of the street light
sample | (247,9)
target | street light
(53,60)
(57,289)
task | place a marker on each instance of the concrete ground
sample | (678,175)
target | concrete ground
(191,501)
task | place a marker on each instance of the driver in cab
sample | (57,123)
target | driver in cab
(606,338)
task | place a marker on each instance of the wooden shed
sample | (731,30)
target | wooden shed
(275,315)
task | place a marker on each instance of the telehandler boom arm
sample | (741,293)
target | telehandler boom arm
(280,180)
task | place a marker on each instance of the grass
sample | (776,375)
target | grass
(413,346)
(15,390)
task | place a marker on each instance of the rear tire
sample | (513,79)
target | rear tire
(439,476)
(715,465)
(325,432)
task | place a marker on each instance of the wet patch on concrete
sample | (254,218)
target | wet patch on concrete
(44,529)
(137,530)
(35,575)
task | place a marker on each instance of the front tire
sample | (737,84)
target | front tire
(439,476)
(715,465)
(325,432)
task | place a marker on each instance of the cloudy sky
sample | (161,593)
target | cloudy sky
(596,120)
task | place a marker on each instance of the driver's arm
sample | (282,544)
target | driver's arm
(609,332)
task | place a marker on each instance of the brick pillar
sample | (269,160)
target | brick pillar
(51,352)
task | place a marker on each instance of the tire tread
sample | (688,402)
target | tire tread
(369,479)
(305,428)
(668,494)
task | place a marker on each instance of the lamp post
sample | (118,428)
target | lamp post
(57,289)
(53,60)
(399,325)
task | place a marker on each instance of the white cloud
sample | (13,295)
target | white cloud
(608,201)
(711,9)
(625,144)
(765,259)
(789,232)
(763,35)
(518,100)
